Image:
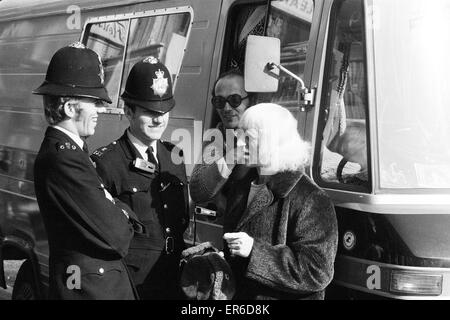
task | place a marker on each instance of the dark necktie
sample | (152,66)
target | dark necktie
(151,157)
(85,147)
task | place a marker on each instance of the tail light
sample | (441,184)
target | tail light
(416,283)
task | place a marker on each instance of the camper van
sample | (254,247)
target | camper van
(366,79)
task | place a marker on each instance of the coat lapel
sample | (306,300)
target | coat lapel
(261,200)
(279,186)
(282,183)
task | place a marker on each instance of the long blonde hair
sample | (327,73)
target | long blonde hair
(280,147)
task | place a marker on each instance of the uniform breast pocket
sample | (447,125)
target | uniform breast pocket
(136,196)
(101,278)
(92,278)
(101,270)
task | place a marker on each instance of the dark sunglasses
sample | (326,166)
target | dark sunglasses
(234,100)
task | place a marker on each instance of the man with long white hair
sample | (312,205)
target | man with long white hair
(280,228)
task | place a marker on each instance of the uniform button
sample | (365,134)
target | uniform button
(165,206)
(102,185)
(162,184)
(168,230)
(101,270)
(114,142)
(134,190)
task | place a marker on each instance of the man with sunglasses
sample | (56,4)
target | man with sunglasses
(230,98)
(208,185)
(138,169)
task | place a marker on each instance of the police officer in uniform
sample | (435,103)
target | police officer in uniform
(139,170)
(89,232)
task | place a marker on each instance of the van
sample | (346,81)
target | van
(366,79)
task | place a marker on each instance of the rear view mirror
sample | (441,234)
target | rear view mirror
(259,52)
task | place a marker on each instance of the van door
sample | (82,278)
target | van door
(293,23)
(296,24)
(341,131)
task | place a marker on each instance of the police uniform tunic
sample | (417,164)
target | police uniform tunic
(88,234)
(160,200)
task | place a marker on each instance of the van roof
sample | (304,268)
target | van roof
(26,5)
(13,9)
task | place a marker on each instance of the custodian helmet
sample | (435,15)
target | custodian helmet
(149,86)
(75,71)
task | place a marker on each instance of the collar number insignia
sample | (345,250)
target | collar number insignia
(160,84)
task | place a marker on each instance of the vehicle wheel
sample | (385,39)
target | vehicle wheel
(24,286)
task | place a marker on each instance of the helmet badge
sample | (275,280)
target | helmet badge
(101,73)
(160,84)
(77,45)
(151,60)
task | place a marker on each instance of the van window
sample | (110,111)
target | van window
(290,21)
(413,93)
(122,43)
(342,148)
(108,39)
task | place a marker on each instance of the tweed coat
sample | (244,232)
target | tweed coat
(294,227)
(161,202)
(84,228)
(207,185)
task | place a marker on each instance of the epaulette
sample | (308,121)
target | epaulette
(100,152)
(66,146)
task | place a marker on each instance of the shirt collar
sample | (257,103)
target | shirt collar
(71,135)
(140,146)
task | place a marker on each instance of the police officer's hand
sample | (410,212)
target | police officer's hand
(239,243)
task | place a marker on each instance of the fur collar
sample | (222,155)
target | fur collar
(282,183)
(278,186)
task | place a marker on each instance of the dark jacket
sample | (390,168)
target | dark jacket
(84,228)
(161,202)
(208,188)
(294,227)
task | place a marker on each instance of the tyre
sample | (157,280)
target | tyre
(25,286)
